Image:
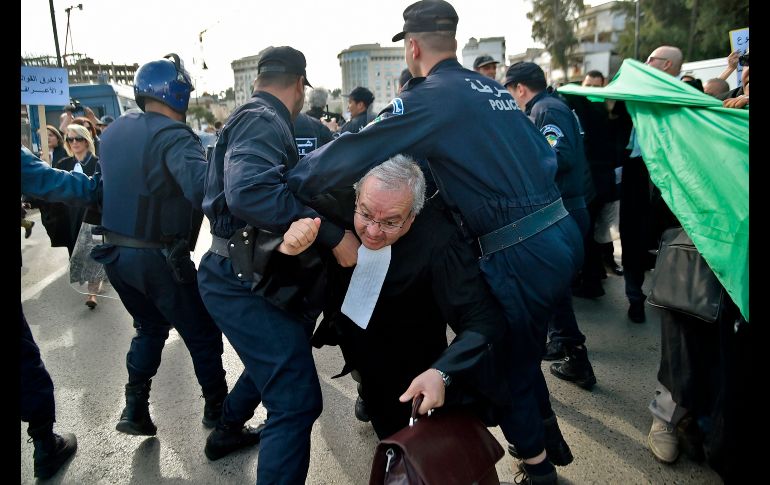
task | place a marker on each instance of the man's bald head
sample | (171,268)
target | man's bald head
(666,58)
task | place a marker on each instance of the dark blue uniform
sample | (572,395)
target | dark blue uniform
(39,180)
(560,127)
(153,174)
(246,184)
(494,167)
(310,134)
(356,123)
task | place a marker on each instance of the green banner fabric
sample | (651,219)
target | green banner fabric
(697,153)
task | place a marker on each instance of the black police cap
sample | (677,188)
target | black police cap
(483,61)
(428,16)
(524,71)
(362,94)
(283,59)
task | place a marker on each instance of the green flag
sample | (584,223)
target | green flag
(697,153)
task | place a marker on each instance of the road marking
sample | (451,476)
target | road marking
(40,286)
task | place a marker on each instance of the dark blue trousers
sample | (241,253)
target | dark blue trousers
(279,370)
(528,279)
(157,302)
(563,326)
(36,390)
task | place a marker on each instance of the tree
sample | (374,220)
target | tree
(336,93)
(201,113)
(553,24)
(699,27)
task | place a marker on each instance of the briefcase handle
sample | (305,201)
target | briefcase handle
(416,402)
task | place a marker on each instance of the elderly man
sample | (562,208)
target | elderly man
(504,193)
(424,276)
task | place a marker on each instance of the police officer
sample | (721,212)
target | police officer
(268,318)
(496,171)
(526,83)
(309,134)
(37,406)
(152,180)
(359,101)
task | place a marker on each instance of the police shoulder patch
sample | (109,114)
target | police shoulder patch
(394,108)
(552,133)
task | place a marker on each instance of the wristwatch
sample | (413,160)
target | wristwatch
(445,377)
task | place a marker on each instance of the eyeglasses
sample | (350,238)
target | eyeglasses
(77,138)
(653,58)
(743,60)
(386,227)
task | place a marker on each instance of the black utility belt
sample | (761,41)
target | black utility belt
(219,245)
(522,229)
(130,242)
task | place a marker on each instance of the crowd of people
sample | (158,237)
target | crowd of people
(394,224)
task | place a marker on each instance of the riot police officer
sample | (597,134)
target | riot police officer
(152,180)
(496,171)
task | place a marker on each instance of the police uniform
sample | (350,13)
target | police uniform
(494,168)
(356,123)
(246,189)
(310,134)
(152,180)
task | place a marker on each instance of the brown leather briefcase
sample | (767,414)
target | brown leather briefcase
(449,447)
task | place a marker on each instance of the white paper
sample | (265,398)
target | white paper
(365,285)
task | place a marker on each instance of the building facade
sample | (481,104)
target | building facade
(598,30)
(244,74)
(373,67)
(491,46)
(84,70)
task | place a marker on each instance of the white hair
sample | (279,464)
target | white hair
(395,173)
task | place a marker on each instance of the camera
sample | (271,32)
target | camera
(77,108)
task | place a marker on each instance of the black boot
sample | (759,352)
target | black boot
(556,449)
(135,418)
(51,452)
(360,408)
(575,368)
(225,439)
(212,410)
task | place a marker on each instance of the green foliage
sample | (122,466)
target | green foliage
(698,27)
(553,24)
(336,93)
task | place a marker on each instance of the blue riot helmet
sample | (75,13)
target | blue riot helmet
(165,80)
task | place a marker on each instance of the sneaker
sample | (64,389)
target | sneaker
(51,453)
(360,410)
(662,441)
(554,350)
(524,476)
(225,439)
(636,311)
(575,368)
